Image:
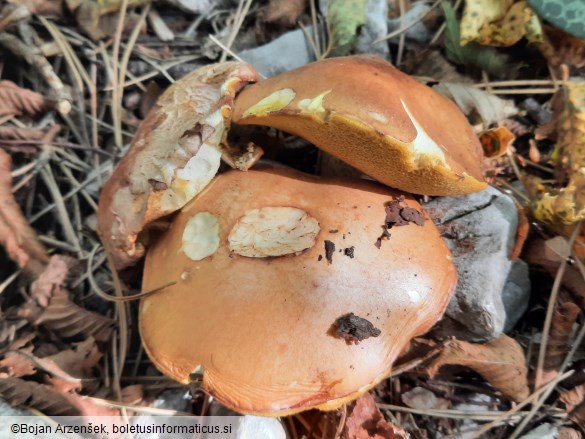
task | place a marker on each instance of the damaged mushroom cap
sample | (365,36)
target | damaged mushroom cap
(375,118)
(260,311)
(174,155)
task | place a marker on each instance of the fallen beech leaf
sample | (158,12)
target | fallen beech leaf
(15,364)
(501,362)
(473,54)
(72,366)
(284,12)
(499,22)
(70,321)
(521,231)
(495,142)
(562,48)
(471,100)
(564,317)
(18,133)
(423,399)
(88,13)
(66,370)
(578,414)
(364,421)
(30,394)
(174,155)
(133,395)
(565,205)
(42,7)
(539,252)
(569,433)
(50,280)
(16,235)
(80,360)
(572,398)
(18,101)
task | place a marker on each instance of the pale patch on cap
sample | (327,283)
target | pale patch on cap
(201,236)
(273,231)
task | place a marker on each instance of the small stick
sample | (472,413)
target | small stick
(33,56)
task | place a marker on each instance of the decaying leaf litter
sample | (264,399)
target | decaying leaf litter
(78,77)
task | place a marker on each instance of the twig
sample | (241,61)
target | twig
(405,28)
(341,422)
(242,11)
(402,39)
(33,56)
(9,280)
(116,78)
(443,26)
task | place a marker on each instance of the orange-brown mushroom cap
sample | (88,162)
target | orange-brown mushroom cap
(258,268)
(174,154)
(375,118)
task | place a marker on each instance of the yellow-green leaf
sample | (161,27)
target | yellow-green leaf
(499,22)
(567,204)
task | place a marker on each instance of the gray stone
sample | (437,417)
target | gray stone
(516,293)
(480,230)
(14,415)
(287,52)
(375,27)
(417,33)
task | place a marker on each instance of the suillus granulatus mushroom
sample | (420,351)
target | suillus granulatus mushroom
(279,287)
(174,154)
(290,291)
(370,115)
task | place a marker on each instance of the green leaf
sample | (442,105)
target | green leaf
(473,54)
(344,19)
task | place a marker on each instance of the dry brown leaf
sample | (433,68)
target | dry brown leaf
(572,398)
(70,321)
(133,395)
(364,421)
(18,133)
(501,362)
(541,253)
(521,232)
(561,48)
(50,280)
(30,394)
(16,235)
(16,364)
(41,7)
(17,101)
(18,392)
(564,317)
(71,368)
(284,12)
(578,415)
(471,100)
(431,63)
(569,433)
(78,361)
(66,370)
(50,306)
(423,399)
